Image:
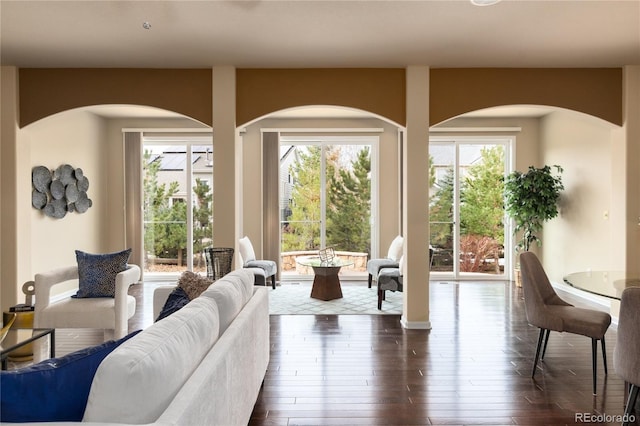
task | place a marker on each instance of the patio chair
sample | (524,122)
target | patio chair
(391,278)
(546,310)
(262,269)
(391,261)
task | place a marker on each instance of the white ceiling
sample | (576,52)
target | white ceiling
(301,33)
(267,33)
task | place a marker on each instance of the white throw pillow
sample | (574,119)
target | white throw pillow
(246,250)
(395,249)
(402,265)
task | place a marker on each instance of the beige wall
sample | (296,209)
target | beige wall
(388,184)
(76,138)
(579,238)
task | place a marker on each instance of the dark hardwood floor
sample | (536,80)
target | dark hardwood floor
(472,367)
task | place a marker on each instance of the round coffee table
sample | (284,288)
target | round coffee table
(326,284)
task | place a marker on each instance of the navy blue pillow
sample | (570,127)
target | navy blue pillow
(176,301)
(97,272)
(53,390)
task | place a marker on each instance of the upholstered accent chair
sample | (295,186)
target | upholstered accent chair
(391,261)
(626,354)
(262,269)
(546,310)
(391,278)
(108,313)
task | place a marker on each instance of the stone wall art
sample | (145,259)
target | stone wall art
(59,191)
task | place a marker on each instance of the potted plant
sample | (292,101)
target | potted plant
(531,199)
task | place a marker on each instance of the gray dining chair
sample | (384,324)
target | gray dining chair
(626,355)
(546,310)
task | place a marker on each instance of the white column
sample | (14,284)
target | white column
(225,193)
(415,200)
(15,203)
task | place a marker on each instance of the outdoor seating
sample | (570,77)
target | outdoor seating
(262,269)
(391,261)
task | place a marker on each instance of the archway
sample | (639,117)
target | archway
(585,146)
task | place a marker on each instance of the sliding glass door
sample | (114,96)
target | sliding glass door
(325,200)
(177,210)
(466,216)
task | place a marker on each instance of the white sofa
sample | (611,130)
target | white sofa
(202,365)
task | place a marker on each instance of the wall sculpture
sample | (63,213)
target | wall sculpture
(60,191)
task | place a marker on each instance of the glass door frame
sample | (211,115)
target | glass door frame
(188,141)
(328,140)
(508,142)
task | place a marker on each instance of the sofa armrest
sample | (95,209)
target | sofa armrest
(160,295)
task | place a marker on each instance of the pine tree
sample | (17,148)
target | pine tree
(159,230)
(349,210)
(202,214)
(482,202)
(303,229)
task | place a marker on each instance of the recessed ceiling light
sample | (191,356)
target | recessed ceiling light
(484,2)
(146,25)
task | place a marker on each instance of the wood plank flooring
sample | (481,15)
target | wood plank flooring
(473,367)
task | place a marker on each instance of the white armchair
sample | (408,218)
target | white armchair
(110,314)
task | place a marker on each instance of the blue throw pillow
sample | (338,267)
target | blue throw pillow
(97,272)
(176,301)
(53,390)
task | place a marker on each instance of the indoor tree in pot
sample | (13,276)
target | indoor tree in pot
(531,199)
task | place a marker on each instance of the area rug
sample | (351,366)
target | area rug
(294,299)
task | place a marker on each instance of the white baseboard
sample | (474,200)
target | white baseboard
(415,325)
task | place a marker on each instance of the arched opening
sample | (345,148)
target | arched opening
(96,139)
(585,146)
(341,135)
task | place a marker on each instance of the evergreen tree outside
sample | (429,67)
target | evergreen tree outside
(349,210)
(303,229)
(481,198)
(348,201)
(158,214)
(202,223)
(481,210)
(165,222)
(441,212)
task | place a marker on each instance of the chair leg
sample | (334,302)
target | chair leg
(546,340)
(604,356)
(370,279)
(273,281)
(631,402)
(594,360)
(535,362)
(380,297)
